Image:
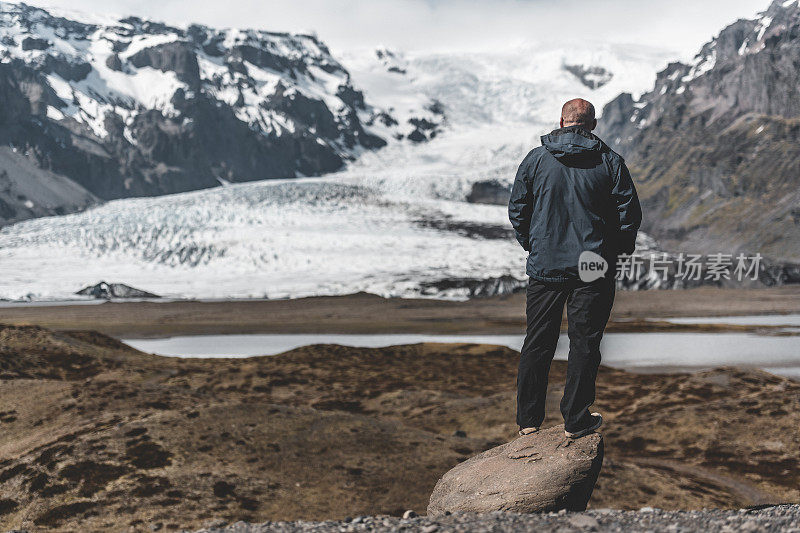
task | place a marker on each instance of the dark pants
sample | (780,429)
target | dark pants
(588,309)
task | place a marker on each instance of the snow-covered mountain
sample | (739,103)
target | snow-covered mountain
(395,222)
(97,109)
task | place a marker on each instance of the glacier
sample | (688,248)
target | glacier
(388,224)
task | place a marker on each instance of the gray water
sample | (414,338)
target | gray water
(747,320)
(643,352)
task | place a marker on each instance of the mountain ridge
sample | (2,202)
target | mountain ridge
(142,108)
(713,143)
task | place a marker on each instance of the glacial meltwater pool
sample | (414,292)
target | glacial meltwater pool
(743,320)
(641,352)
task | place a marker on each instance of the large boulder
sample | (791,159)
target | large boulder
(536,473)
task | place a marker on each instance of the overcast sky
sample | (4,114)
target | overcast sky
(433,25)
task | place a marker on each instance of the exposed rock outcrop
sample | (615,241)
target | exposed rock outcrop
(489,192)
(540,472)
(177,57)
(114,290)
(473,287)
(592,77)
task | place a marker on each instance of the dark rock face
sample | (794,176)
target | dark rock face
(67,69)
(424,130)
(713,145)
(489,192)
(177,57)
(114,62)
(474,288)
(540,472)
(593,77)
(165,109)
(110,291)
(781,274)
(657,269)
(27,191)
(32,43)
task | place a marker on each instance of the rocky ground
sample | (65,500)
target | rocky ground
(784,518)
(96,435)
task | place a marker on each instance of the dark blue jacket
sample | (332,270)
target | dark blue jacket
(573,194)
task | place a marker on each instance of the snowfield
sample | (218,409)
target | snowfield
(389,223)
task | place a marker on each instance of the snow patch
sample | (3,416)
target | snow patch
(763,26)
(703,64)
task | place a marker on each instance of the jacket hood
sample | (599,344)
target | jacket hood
(571,141)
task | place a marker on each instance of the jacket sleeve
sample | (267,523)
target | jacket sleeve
(520,206)
(629,210)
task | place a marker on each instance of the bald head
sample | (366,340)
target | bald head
(578,112)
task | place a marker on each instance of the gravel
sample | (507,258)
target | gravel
(784,518)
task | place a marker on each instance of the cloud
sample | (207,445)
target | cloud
(447,25)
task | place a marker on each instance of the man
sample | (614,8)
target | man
(573,195)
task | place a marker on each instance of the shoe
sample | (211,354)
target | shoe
(597,421)
(527,431)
